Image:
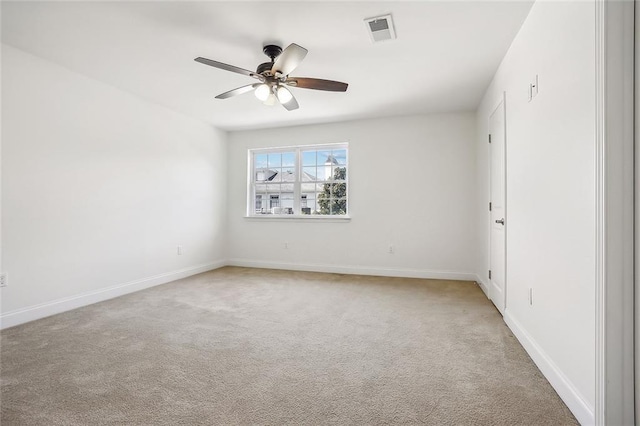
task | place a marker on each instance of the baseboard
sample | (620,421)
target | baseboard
(43,310)
(581,409)
(355,270)
(483,286)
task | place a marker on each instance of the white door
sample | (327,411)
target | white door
(497,234)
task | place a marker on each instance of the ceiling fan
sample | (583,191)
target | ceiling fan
(274,77)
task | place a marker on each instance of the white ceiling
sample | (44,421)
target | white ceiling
(443,59)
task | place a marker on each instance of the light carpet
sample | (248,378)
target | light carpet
(267,347)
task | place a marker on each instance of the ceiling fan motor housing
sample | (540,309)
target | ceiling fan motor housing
(272,51)
(264,67)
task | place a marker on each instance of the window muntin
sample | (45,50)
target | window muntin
(307,180)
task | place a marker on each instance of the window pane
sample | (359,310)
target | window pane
(324,202)
(260,190)
(323,157)
(260,161)
(287,203)
(308,203)
(339,209)
(275,160)
(308,174)
(288,159)
(307,198)
(288,175)
(313,205)
(258,203)
(340,156)
(308,158)
(275,175)
(338,206)
(339,173)
(273,188)
(338,190)
(324,173)
(264,175)
(286,199)
(308,187)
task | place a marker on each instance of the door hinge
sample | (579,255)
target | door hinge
(489,205)
(489,273)
(489,137)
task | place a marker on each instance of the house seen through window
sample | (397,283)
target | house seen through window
(307,180)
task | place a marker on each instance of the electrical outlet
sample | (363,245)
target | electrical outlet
(4,280)
(392,249)
(180,251)
(285,245)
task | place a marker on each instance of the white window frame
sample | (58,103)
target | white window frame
(297,193)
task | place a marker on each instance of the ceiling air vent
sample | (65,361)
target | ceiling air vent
(380,28)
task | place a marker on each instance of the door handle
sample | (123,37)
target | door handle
(501,221)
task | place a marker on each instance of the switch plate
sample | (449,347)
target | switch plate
(180,251)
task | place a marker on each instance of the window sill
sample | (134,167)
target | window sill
(299,218)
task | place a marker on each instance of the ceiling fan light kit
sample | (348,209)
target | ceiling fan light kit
(263,91)
(274,77)
(271,100)
(283,94)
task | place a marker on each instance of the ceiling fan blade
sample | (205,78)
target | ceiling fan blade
(317,84)
(291,104)
(228,67)
(238,91)
(289,59)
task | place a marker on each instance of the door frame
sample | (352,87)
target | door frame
(502,100)
(614,185)
(637,207)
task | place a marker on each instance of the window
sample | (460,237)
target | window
(305,180)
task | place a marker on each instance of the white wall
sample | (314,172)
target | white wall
(98,189)
(550,194)
(411,182)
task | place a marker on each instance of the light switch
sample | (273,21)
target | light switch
(533,88)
